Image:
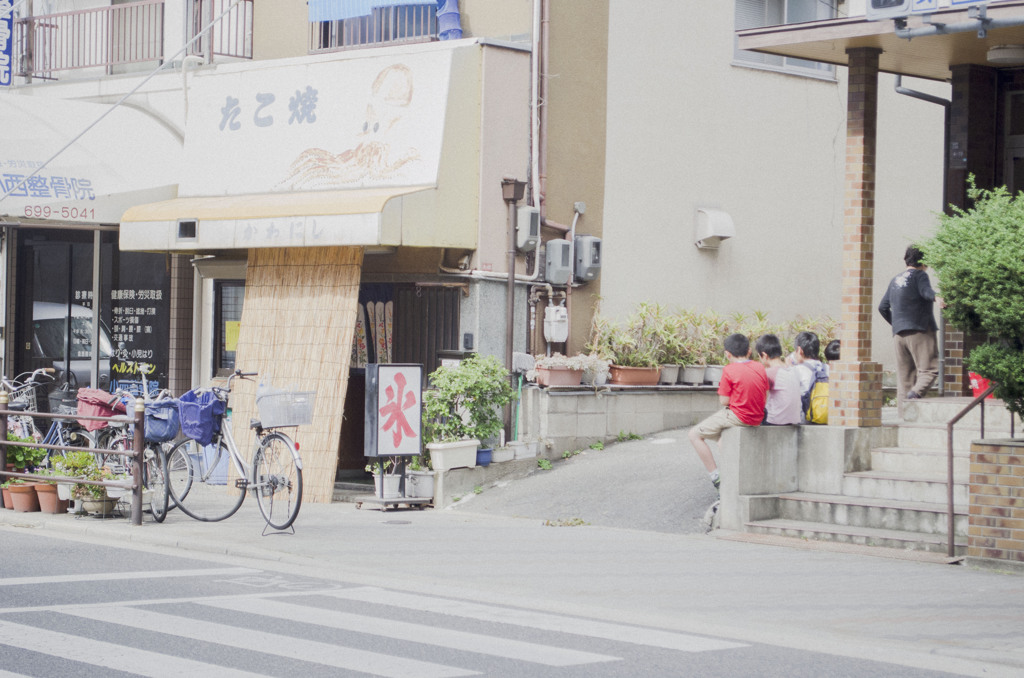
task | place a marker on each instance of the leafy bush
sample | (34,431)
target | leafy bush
(977,256)
(466,400)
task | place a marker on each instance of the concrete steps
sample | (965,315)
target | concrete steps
(863,536)
(909,516)
(900,502)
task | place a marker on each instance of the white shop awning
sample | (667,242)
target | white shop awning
(127,158)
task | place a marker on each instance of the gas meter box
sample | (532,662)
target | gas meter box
(588,257)
(557,263)
(556,324)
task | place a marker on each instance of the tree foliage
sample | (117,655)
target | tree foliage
(978,255)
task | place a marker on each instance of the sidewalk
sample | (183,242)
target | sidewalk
(633,563)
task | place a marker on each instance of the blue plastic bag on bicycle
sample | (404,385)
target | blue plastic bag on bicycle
(162,419)
(201,412)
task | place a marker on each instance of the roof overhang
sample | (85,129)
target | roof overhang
(930,57)
(363,217)
(55,178)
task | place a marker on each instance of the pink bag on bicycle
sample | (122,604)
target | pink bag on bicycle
(93,402)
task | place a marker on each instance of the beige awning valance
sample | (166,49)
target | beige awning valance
(361,217)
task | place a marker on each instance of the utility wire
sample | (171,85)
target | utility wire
(121,100)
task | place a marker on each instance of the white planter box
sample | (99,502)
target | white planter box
(419,484)
(459,454)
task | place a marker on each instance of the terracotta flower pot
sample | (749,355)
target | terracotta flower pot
(635,376)
(558,376)
(8,504)
(24,498)
(49,502)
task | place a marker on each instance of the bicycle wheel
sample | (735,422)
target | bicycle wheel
(154,476)
(278,485)
(201,481)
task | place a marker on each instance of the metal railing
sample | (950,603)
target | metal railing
(978,401)
(384,25)
(90,38)
(133,483)
(229,37)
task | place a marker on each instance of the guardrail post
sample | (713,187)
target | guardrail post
(138,445)
(3,448)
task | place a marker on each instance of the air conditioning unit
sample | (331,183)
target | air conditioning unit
(527,228)
(876,10)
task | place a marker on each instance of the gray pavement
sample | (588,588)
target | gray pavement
(642,559)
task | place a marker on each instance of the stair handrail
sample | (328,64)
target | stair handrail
(978,400)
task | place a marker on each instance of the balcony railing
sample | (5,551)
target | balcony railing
(229,37)
(385,25)
(90,38)
(110,39)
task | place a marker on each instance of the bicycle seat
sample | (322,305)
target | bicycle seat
(17,407)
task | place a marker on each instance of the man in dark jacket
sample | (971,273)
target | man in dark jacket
(907,306)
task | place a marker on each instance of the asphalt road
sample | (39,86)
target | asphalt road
(656,484)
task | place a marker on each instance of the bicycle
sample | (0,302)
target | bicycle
(120,439)
(23,392)
(198,475)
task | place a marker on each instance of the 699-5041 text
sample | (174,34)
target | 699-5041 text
(65,212)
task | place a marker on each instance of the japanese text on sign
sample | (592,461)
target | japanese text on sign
(301,107)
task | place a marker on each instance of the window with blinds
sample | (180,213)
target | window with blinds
(758,13)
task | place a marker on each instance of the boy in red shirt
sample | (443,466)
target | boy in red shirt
(743,392)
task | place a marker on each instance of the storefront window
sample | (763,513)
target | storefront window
(228,295)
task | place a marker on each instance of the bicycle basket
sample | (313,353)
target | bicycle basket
(286,408)
(200,413)
(64,401)
(93,402)
(162,420)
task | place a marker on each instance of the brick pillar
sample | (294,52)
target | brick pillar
(856,382)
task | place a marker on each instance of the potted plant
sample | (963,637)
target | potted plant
(21,458)
(464,408)
(23,495)
(6,488)
(93,498)
(419,481)
(386,483)
(46,493)
(561,370)
(633,346)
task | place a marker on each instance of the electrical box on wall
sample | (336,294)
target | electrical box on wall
(557,263)
(527,228)
(588,257)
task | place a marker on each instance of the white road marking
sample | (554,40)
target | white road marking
(113,656)
(542,621)
(120,576)
(419,633)
(338,656)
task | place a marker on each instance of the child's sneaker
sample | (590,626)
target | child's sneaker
(716,482)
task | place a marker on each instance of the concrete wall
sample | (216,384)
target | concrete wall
(573,419)
(700,130)
(758,463)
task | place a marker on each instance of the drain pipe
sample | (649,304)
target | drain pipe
(946,104)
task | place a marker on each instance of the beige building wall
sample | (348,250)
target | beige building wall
(689,128)
(280,29)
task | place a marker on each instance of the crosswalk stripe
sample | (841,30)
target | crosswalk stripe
(420,633)
(338,656)
(119,576)
(109,655)
(681,642)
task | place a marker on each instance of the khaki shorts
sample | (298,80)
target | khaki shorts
(712,427)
